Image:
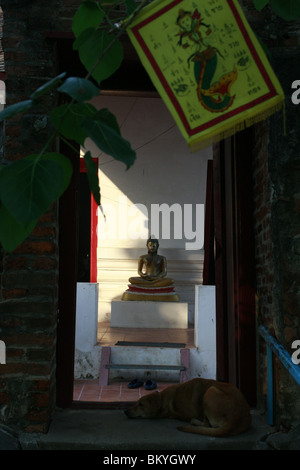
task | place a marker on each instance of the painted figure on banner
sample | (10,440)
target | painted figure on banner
(152,283)
(194,37)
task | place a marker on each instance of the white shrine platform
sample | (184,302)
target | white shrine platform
(147,314)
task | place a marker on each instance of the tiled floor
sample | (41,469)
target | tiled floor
(90,391)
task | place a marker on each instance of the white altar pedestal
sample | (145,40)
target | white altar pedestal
(86,316)
(147,314)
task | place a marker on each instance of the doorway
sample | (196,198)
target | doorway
(234,255)
(234,275)
(163,166)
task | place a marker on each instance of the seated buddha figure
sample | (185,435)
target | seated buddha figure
(152,283)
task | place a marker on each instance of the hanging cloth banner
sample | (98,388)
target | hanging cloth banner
(207,66)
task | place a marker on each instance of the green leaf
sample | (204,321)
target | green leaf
(109,141)
(92,174)
(63,161)
(88,15)
(130,6)
(16,108)
(100,52)
(260,4)
(68,118)
(12,233)
(106,116)
(286,9)
(42,90)
(79,89)
(28,187)
(82,38)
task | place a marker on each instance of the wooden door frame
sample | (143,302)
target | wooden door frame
(234,263)
(68,260)
(68,249)
(93,236)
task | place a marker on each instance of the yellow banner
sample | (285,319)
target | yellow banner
(207,65)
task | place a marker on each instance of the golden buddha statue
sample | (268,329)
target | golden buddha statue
(152,283)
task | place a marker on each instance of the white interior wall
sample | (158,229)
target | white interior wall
(164,172)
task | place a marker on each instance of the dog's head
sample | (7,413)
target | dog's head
(146,407)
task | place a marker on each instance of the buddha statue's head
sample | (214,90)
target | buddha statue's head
(152,245)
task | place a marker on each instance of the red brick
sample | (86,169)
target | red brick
(37,428)
(11,263)
(44,264)
(27,339)
(14,293)
(27,369)
(12,131)
(36,247)
(35,415)
(43,232)
(40,400)
(40,385)
(4,398)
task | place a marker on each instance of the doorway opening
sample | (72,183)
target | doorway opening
(163,165)
(229,317)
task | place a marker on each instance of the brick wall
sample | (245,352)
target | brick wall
(29,276)
(276,172)
(28,327)
(284,173)
(262,229)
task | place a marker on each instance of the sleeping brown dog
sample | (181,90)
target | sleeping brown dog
(213,408)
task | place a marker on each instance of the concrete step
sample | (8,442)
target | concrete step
(111,430)
(128,363)
(144,367)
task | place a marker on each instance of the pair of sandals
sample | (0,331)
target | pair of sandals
(149,384)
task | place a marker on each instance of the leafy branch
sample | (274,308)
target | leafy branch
(29,186)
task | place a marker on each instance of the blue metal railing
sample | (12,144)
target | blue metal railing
(273,346)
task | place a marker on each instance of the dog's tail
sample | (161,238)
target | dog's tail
(228,429)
